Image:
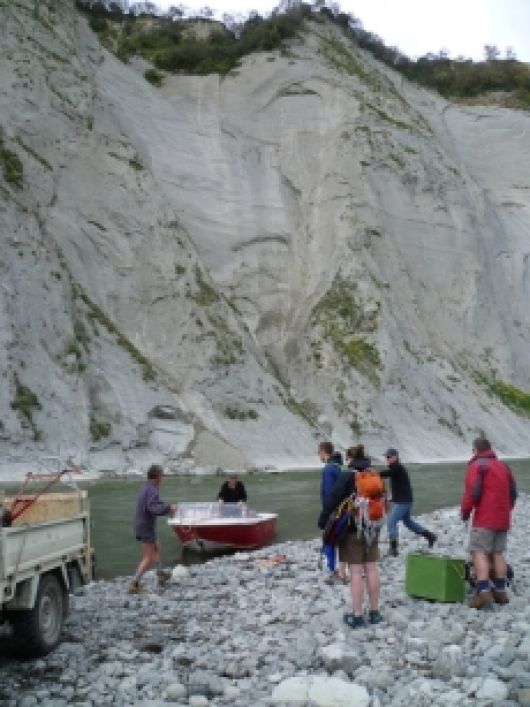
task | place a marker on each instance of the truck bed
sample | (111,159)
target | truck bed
(54,531)
(24,548)
(50,506)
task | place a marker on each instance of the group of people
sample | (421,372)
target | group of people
(489,495)
(355,550)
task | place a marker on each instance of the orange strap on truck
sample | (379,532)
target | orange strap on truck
(21,503)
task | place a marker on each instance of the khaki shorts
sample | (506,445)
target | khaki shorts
(355,551)
(488,541)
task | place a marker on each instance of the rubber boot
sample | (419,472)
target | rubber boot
(393,552)
(430,537)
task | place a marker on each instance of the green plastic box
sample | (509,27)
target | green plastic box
(436,577)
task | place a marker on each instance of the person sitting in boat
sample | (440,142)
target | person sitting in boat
(232,491)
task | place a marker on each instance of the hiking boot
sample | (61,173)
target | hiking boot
(135,587)
(430,537)
(353,621)
(393,551)
(374,617)
(481,600)
(162,577)
(499,596)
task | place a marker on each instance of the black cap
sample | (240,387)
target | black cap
(391,452)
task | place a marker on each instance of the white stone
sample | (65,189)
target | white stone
(492,689)
(179,573)
(332,692)
(339,656)
(198,701)
(231,692)
(449,662)
(175,691)
(292,690)
(321,691)
(128,683)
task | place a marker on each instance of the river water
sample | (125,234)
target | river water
(293,495)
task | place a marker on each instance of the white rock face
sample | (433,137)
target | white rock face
(285,245)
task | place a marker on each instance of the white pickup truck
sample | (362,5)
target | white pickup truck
(44,556)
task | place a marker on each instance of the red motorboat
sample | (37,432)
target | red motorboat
(222,526)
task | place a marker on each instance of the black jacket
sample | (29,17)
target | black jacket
(399,482)
(229,495)
(360,464)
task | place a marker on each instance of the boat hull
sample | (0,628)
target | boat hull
(226,534)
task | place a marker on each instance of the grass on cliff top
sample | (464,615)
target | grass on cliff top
(168,42)
(178,46)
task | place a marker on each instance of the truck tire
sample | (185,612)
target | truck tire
(38,630)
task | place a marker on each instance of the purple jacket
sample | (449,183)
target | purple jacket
(148,506)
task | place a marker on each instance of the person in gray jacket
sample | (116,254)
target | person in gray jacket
(148,507)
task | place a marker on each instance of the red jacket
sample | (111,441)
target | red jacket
(489,491)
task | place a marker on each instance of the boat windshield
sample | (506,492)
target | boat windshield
(201,511)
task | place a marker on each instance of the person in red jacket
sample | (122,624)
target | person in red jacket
(489,494)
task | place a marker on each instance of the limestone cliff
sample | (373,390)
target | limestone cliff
(221,271)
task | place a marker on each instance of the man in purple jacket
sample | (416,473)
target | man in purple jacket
(148,507)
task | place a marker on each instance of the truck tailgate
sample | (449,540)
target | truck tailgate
(24,548)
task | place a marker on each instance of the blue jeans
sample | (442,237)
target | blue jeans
(329,554)
(401,512)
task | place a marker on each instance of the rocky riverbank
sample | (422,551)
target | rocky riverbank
(244,631)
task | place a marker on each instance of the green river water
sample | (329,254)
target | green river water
(293,495)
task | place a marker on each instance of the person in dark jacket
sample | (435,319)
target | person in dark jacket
(489,494)
(355,550)
(232,491)
(330,473)
(148,507)
(401,491)
(357,459)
